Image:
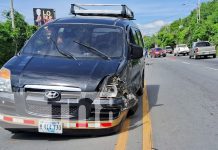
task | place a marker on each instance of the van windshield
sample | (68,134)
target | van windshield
(182,45)
(80,40)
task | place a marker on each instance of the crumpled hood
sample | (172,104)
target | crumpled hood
(85,74)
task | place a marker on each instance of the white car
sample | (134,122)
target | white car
(202,48)
(181,49)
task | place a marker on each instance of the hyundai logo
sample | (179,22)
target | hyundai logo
(53,95)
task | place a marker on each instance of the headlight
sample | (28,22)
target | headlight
(109,91)
(112,87)
(5,80)
(109,87)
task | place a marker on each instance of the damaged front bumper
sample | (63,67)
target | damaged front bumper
(25,110)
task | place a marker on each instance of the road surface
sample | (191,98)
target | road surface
(183,109)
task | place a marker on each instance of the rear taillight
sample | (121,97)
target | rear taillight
(196,50)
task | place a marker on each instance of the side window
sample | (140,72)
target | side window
(141,43)
(133,37)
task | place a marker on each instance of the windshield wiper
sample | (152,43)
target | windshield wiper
(93,50)
(62,52)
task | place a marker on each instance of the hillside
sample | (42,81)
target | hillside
(187,30)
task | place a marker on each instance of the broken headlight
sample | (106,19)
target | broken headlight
(111,87)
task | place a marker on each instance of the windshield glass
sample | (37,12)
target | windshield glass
(203,44)
(78,39)
(182,45)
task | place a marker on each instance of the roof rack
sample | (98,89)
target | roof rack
(81,9)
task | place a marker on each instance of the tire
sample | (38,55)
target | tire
(196,57)
(133,110)
(214,56)
(141,89)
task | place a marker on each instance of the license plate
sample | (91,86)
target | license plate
(46,126)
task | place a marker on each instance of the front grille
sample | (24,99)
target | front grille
(53,111)
(38,105)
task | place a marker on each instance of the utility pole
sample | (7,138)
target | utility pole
(199,11)
(12,15)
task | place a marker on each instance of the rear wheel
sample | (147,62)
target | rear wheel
(196,57)
(214,56)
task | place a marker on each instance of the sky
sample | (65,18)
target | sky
(150,15)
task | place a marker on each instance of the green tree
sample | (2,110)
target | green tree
(12,40)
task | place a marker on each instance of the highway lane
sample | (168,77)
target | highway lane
(183,100)
(183,105)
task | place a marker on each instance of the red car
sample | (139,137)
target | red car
(157,52)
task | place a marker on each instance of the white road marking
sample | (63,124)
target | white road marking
(185,63)
(212,68)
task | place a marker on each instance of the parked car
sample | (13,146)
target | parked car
(181,49)
(164,53)
(77,75)
(203,48)
(169,49)
(157,52)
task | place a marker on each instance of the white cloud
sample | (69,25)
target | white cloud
(152,27)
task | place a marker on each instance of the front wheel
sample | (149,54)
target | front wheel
(141,89)
(214,56)
(133,110)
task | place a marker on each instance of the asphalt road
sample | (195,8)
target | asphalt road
(183,96)
(183,105)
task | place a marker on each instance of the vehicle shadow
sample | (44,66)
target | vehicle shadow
(136,121)
(152,93)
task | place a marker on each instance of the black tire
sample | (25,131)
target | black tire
(141,89)
(196,57)
(133,110)
(214,56)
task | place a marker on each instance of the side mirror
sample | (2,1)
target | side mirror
(136,52)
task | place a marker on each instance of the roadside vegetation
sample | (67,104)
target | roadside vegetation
(12,40)
(187,30)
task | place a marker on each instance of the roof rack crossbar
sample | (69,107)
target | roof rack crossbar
(125,12)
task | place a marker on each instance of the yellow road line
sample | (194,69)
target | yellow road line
(123,136)
(147,128)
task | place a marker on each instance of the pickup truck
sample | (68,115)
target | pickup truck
(203,48)
(181,49)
